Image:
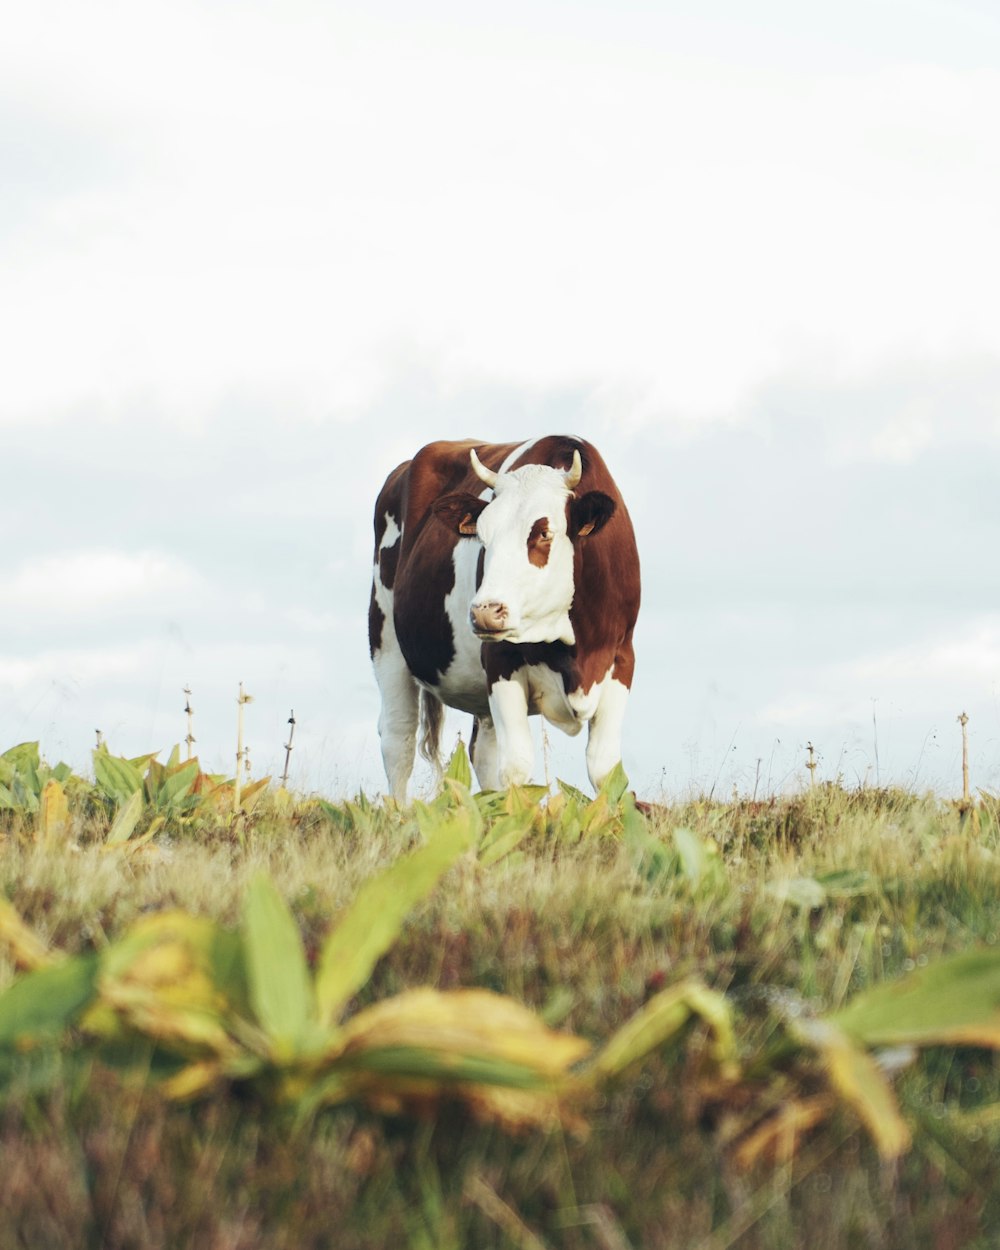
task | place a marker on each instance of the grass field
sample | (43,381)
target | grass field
(739,1116)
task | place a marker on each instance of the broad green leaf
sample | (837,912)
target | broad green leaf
(125,822)
(177,784)
(116,778)
(174,759)
(614,785)
(375,918)
(42,1004)
(571,792)
(277,974)
(24,757)
(952,1001)
(506,834)
(859,1081)
(7,802)
(459,768)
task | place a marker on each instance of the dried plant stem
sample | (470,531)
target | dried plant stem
(241,753)
(189,710)
(811,763)
(288,748)
(963,720)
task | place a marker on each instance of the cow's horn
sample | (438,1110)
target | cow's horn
(480,469)
(574,472)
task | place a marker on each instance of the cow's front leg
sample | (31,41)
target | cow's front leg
(515,748)
(604,743)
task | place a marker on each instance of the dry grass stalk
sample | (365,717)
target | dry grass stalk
(963,720)
(241,752)
(288,748)
(189,710)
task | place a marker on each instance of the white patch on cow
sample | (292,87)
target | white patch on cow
(515,748)
(383,596)
(604,745)
(537,600)
(397,722)
(516,455)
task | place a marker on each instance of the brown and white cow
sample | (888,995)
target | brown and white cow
(506,584)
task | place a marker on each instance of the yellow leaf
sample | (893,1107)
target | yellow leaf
(861,1083)
(661,1019)
(776,1139)
(28,949)
(53,815)
(487,1051)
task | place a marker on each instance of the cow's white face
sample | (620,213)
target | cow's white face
(528,531)
(527,587)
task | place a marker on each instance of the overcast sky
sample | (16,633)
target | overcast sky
(253,255)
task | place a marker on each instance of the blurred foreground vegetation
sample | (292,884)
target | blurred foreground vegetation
(516,1019)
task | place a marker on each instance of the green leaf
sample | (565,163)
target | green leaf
(24,757)
(178,784)
(42,1004)
(125,822)
(375,918)
(459,768)
(117,778)
(506,834)
(953,1001)
(571,792)
(614,785)
(277,973)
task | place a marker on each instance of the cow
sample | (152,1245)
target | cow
(506,584)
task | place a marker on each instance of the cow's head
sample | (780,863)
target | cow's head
(528,529)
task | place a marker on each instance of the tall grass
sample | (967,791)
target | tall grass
(791,909)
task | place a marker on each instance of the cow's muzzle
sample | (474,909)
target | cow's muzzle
(489,620)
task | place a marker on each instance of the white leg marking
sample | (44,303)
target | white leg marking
(484,754)
(397,722)
(604,743)
(515,748)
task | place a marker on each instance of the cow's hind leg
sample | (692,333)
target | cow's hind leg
(397,722)
(483,750)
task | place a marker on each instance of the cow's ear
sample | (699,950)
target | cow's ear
(589,513)
(459,512)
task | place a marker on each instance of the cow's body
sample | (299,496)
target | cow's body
(503,600)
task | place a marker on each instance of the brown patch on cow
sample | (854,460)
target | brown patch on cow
(376,620)
(540,543)
(480,566)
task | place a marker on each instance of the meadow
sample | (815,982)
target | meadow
(233,1017)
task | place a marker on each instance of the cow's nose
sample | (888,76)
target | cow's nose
(488,618)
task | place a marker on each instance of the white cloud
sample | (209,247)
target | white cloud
(330,190)
(86,583)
